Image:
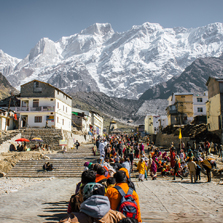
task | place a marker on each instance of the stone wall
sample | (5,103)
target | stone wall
(165,140)
(50,136)
(27,90)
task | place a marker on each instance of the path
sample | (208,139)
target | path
(160,201)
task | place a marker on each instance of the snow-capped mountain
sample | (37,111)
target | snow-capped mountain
(193,79)
(117,64)
(7,63)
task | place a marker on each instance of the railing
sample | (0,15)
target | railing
(33,109)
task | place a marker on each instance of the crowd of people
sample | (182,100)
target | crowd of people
(106,192)
(23,147)
(180,162)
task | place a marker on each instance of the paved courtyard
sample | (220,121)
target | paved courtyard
(161,201)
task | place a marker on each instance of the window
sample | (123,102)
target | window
(182,96)
(36,84)
(57,119)
(63,107)
(199,100)
(199,109)
(66,109)
(58,92)
(35,103)
(36,87)
(51,99)
(38,119)
(62,121)
(58,105)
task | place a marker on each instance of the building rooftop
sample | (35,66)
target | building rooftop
(48,85)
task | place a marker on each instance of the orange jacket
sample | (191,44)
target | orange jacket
(115,197)
(99,178)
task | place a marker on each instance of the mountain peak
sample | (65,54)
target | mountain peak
(148,26)
(99,29)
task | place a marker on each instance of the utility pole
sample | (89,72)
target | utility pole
(8,111)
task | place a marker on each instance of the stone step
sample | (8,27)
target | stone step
(49,175)
(40,171)
(66,165)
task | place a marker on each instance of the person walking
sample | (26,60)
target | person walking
(176,169)
(207,166)
(192,166)
(141,168)
(77,144)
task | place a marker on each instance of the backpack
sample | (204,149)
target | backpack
(127,205)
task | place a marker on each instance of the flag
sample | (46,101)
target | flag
(180,135)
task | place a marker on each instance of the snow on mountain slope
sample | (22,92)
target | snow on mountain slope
(7,63)
(117,64)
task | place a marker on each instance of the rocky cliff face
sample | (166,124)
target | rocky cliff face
(117,64)
(5,88)
(193,79)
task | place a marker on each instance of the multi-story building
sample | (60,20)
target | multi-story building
(89,122)
(163,122)
(214,105)
(180,109)
(8,119)
(199,103)
(152,124)
(43,105)
(185,107)
(96,123)
(81,120)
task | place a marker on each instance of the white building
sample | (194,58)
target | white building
(199,104)
(152,124)
(44,105)
(87,121)
(8,119)
(97,123)
(163,121)
(81,120)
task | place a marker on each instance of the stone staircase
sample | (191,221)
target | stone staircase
(70,164)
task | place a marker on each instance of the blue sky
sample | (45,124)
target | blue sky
(24,22)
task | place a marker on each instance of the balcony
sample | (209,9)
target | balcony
(172,110)
(35,109)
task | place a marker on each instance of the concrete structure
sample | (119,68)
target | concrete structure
(185,107)
(199,103)
(180,109)
(163,121)
(152,124)
(8,120)
(214,106)
(96,125)
(81,120)
(89,122)
(42,104)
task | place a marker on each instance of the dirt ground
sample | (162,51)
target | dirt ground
(162,200)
